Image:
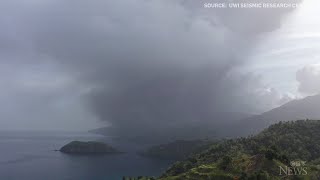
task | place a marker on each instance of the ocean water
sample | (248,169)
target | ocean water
(31,156)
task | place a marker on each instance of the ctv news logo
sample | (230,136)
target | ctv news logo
(296,168)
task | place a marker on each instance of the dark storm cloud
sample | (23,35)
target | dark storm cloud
(149,63)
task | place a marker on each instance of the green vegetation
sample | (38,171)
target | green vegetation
(257,157)
(177,150)
(90,147)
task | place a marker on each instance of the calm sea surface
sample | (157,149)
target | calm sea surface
(31,156)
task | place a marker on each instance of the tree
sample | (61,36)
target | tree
(270,154)
(225,163)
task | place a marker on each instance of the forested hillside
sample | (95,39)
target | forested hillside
(294,145)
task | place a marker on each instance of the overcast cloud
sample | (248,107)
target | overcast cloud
(129,63)
(309,79)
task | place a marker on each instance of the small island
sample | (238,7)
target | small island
(90,147)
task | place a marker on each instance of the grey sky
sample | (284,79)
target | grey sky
(79,64)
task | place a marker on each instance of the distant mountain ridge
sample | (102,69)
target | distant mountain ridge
(177,150)
(201,128)
(306,108)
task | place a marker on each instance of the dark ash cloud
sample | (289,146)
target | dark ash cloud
(149,63)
